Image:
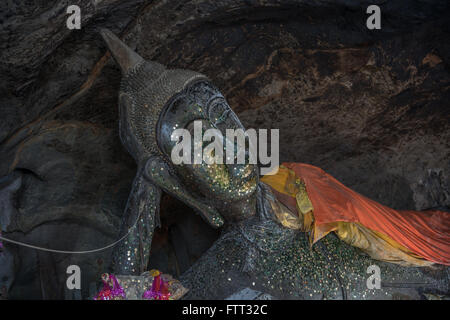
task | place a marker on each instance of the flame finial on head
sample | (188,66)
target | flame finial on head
(124,56)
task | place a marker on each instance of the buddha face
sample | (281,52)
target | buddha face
(202,103)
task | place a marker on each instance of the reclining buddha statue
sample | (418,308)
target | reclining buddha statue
(295,234)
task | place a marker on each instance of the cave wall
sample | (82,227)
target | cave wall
(368,106)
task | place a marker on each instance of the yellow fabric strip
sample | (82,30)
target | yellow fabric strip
(286,182)
(285,216)
(377,245)
(304,204)
(281,181)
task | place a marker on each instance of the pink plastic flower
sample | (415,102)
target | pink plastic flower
(159,289)
(111,289)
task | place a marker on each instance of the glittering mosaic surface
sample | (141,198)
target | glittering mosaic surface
(267,257)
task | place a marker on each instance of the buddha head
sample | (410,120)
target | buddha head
(153,102)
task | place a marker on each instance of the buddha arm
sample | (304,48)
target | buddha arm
(141,214)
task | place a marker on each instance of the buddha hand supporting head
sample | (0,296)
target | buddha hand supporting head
(153,102)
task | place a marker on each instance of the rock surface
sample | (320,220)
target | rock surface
(368,106)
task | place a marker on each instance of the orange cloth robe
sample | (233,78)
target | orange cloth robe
(406,237)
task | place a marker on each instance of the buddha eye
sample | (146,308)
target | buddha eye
(218,111)
(222,117)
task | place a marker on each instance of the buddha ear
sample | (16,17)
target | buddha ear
(160,174)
